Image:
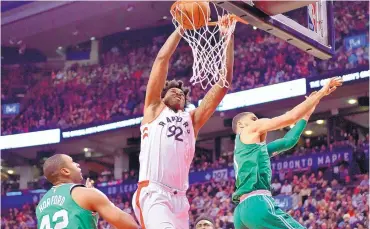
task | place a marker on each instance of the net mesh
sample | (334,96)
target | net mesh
(208,46)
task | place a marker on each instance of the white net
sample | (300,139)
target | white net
(208,43)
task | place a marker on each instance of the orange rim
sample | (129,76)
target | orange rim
(238,19)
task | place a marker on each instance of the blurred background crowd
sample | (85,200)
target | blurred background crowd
(317,202)
(332,197)
(114,89)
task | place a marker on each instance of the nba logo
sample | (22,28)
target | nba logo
(312,17)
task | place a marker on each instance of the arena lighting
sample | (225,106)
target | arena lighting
(231,101)
(92,38)
(110,126)
(86,150)
(128,28)
(87,154)
(30,139)
(102,128)
(320,121)
(10,171)
(254,27)
(60,47)
(308,132)
(130,8)
(352,101)
(264,94)
(164,17)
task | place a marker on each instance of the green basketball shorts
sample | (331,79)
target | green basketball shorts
(261,212)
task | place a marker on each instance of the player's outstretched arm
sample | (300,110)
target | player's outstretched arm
(264,125)
(292,137)
(215,95)
(94,200)
(159,72)
(288,141)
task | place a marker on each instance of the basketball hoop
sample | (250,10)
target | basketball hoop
(207,43)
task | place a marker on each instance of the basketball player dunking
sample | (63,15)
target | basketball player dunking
(168,135)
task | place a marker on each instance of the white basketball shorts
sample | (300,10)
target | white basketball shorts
(157,206)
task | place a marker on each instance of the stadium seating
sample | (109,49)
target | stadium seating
(316,203)
(64,98)
(81,96)
(333,197)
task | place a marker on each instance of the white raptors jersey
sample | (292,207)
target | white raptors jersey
(167,149)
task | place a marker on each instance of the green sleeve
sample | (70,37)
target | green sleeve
(289,140)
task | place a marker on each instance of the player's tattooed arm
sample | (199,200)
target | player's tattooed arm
(215,95)
(207,107)
(225,22)
(159,72)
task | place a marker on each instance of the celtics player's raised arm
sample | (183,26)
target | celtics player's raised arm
(94,200)
(264,125)
(159,72)
(292,137)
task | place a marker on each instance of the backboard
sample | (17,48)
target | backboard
(317,38)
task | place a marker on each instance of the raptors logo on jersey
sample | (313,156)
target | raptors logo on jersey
(167,149)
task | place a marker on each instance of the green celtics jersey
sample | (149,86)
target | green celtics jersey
(252,168)
(57,210)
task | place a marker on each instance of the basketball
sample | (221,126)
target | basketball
(191,14)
